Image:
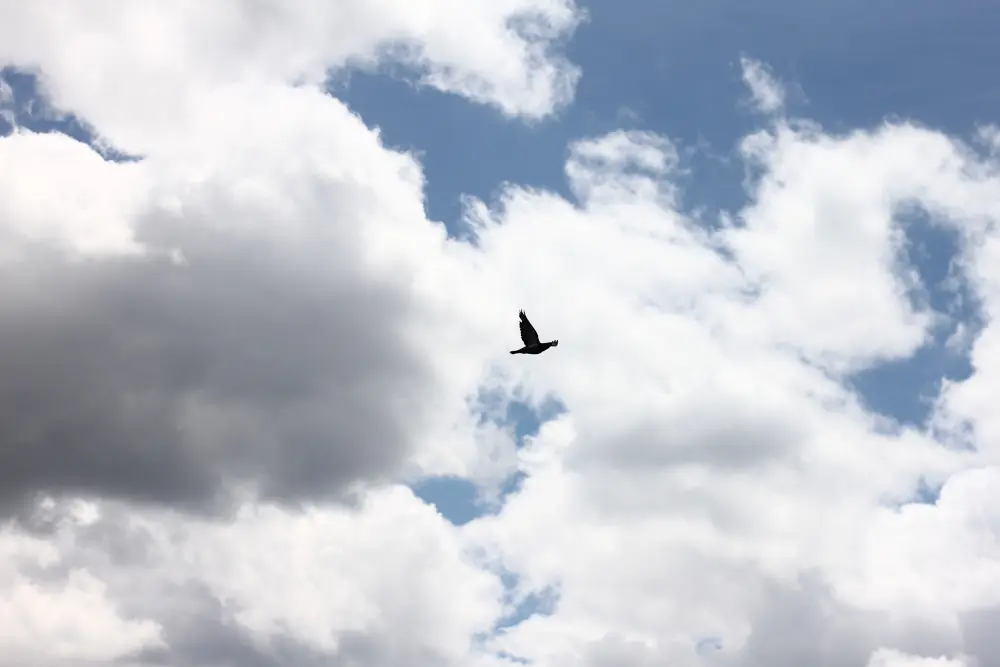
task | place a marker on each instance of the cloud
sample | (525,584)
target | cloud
(216,333)
(141,74)
(767,92)
(326,586)
(807,198)
(721,457)
(259,315)
(63,624)
(890,658)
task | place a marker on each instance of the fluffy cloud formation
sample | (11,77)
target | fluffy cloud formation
(258,317)
(139,72)
(269,587)
(721,480)
(173,324)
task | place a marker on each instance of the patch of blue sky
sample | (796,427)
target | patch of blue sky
(927,493)
(522,606)
(674,68)
(30,109)
(906,389)
(458,499)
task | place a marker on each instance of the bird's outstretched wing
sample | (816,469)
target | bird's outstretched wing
(528,333)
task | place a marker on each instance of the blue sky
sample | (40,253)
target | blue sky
(673,68)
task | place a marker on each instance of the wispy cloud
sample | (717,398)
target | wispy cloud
(767,92)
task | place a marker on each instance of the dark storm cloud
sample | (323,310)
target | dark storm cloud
(269,356)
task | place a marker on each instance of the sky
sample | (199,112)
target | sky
(261,269)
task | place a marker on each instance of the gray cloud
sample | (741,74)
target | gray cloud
(199,626)
(203,633)
(199,631)
(270,357)
(749,436)
(980,637)
(808,625)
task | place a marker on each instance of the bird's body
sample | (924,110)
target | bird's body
(530,339)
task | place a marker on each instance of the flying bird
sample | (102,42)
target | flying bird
(530,338)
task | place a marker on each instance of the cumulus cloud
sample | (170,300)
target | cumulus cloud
(722,479)
(190,326)
(139,73)
(253,317)
(326,586)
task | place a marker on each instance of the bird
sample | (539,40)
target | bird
(530,338)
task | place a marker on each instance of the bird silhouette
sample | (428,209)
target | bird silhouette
(530,338)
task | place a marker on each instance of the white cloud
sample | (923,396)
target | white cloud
(389,580)
(767,92)
(891,658)
(49,201)
(140,73)
(47,622)
(812,197)
(709,460)
(713,475)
